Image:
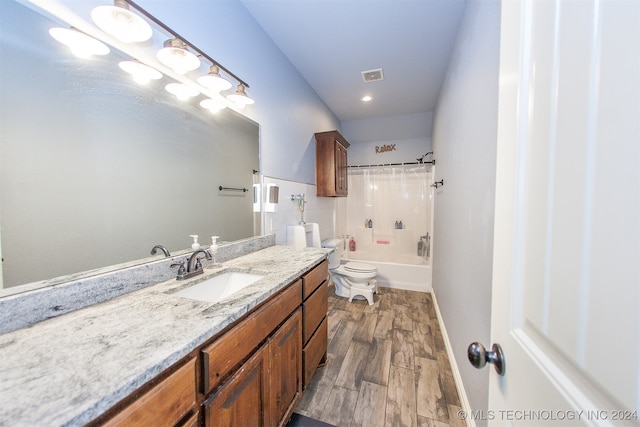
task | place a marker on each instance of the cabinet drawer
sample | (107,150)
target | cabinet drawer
(314,309)
(221,357)
(163,405)
(313,352)
(314,278)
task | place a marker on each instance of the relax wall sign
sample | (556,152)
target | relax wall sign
(385,148)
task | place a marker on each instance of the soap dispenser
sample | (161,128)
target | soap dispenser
(195,246)
(212,250)
(214,244)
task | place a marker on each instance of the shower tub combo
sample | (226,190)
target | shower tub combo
(388,222)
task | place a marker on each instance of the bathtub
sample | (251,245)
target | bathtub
(411,277)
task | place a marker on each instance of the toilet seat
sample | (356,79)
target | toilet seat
(355,275)
(359,267)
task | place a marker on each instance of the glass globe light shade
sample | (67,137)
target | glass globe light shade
(175,55)
(121,23)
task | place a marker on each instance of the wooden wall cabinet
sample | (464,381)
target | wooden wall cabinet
(331,164)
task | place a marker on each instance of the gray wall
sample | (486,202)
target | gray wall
(464,142)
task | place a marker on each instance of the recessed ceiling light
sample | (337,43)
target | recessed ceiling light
(367,98)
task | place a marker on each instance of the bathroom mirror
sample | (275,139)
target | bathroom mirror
(97,169)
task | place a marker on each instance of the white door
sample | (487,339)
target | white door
(566,290)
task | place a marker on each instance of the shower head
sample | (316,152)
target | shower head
(421,159)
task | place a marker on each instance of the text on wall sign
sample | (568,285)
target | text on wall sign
(385,148)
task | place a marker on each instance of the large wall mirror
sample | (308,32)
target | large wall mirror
(97,169)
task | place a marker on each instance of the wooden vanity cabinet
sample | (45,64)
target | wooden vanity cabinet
(251,374)
(263,390)
(331,164)
(315,296)
(266,388)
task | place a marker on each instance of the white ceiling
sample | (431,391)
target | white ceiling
(331,41)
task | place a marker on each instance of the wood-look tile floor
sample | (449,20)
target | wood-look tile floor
(386,365)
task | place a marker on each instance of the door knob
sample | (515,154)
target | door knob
(479,357)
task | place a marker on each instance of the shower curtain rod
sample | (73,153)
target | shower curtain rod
(433,162)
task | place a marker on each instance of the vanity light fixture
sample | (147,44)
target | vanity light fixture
(129,23)
(240,97)
(141,73)
(175,55)
(212,105)
(214,81)
(121,23)
(82,45)
(182,91)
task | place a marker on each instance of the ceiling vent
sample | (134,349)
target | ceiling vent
(372,75)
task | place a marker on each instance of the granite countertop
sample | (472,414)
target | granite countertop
(71,369)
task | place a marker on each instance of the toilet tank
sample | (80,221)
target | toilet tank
(336,255)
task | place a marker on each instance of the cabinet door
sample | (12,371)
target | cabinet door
(331,164)
(341,170)
(244,399)
(285,356)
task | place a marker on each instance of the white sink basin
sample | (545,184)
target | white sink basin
(219,287)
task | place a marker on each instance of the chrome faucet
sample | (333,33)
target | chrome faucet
(162,248)
(193,265)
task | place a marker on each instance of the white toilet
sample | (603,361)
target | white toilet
(353,279)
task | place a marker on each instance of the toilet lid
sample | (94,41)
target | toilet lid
(359,267)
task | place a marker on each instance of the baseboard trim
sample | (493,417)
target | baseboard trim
(464,401)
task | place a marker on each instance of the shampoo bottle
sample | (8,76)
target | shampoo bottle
(352,245)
